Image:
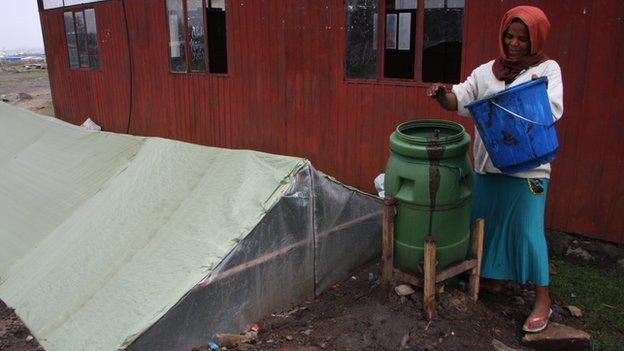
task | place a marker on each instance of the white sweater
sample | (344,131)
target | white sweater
(482,82)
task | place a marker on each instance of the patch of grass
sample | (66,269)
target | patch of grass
(599,293)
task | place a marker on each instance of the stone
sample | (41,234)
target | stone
(518,301)
(579,252)
(558,337)
(575,311)
(500,346)
(611,251)
(230,340)
(29,338)
(404,290)
(558,242)
(23,96)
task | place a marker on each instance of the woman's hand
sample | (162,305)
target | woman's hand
(443,95)
(437,91)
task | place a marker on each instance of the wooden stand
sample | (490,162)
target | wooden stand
(432,280)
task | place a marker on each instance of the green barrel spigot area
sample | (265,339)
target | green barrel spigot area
(430,176)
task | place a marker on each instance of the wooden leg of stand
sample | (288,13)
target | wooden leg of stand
(387,256)
(478,229)
(429,289)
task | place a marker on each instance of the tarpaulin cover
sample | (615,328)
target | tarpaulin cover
(317,234)
(113,242)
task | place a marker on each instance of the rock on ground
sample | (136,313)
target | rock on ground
(558,337)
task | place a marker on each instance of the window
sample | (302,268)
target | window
(82,43)
(399,51)
(197,36)
(427,53)
(52,4)
(361,39)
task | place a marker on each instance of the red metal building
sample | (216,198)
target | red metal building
(305,78)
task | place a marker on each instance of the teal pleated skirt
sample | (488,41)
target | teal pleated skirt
(514,246)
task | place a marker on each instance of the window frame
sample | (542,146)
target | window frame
(381,44)
(90,67)
(187,48)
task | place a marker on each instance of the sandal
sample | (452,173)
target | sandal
(537,319)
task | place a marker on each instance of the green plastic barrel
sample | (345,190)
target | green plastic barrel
(429,175)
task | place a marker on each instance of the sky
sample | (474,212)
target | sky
(19,24)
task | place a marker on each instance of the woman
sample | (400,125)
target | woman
(512,204)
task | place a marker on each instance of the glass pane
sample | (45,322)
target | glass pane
(83,51)
(361,39)
(197,40)
(70,34)
(391,31)
(375,21)
(177,45)
(399,53)
(442,42)
(78,2)
(405,4)
(92,38)
(51,4)
(455,4)
(405,24)
(217,4)
(434,4)
(217,37)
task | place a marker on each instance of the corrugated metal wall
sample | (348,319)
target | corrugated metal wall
(102,94)
(285,92)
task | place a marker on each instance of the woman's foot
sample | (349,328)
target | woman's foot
(540,316)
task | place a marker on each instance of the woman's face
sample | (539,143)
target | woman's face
(517,41)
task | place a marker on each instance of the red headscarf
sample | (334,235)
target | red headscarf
(536,21)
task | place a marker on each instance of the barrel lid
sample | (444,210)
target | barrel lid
(417,138)
(425,131)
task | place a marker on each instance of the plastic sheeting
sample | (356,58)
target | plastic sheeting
(318,233)
(113,241)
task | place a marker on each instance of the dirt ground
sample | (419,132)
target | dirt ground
(14,336)
(26,87)
(353,315)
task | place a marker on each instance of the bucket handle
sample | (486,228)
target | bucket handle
(518,116)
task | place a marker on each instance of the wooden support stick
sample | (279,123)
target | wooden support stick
(429,289)
(408,278)
(455,270)
(387,256)
(415,280)
(477,251)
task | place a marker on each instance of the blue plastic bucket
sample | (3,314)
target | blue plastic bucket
(517,126)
